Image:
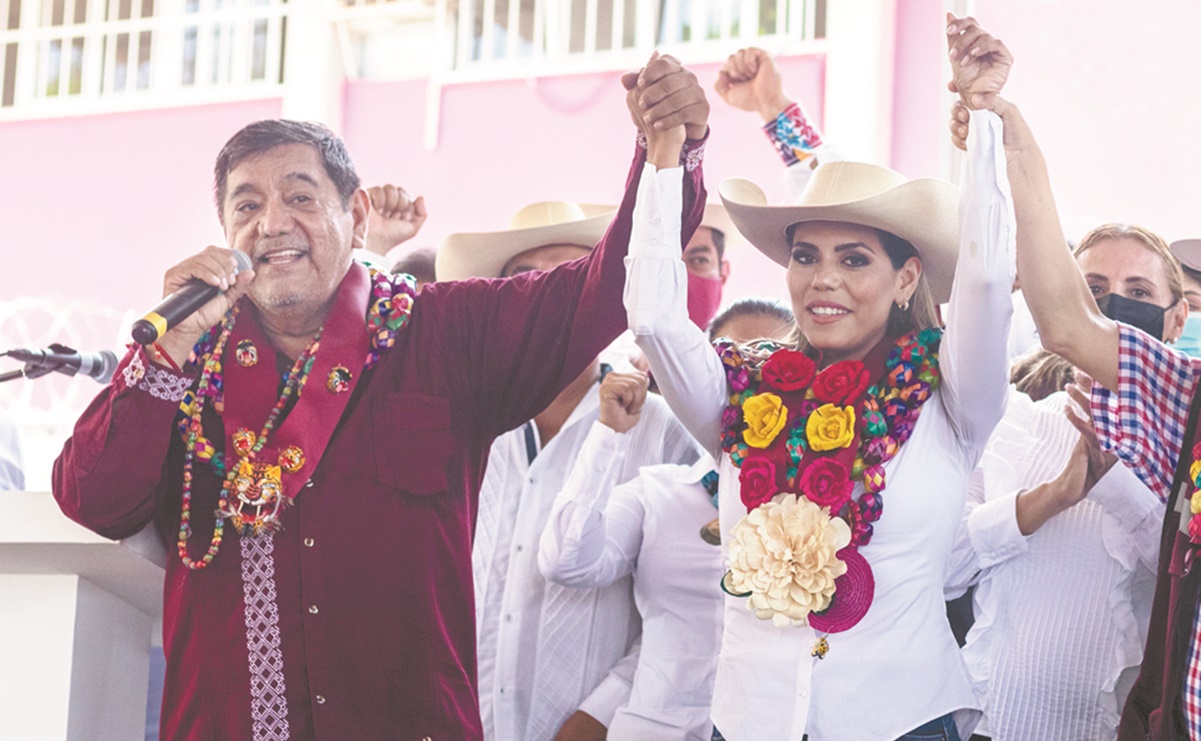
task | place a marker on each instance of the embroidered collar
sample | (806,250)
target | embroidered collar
(802,439)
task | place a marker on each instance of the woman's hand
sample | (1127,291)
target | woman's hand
(1080,415)
(980,62)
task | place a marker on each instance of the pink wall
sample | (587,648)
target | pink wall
(99,207)
(919,107)
(1111,89)
(503,145)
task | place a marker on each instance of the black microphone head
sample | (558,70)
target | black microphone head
(144,332)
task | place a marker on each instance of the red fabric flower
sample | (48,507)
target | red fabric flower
(788,370)
(1194,529)
(841,383)
(1197,451)
(757,482)
(826,483)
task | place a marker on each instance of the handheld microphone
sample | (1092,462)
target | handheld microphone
(179,306)
(63,359)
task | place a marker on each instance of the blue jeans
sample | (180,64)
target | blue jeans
(941,729)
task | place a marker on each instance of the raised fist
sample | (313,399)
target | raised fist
(980,62)
(750,81)
(394,218)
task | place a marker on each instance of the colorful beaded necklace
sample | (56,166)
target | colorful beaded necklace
(390,306)
(802,438)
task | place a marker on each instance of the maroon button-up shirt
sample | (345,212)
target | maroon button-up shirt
(364,629)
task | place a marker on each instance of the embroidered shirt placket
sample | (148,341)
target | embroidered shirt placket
(268,700)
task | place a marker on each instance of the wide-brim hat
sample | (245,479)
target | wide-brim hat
(484,254)
(923,212)
(1188,252)
(716,217)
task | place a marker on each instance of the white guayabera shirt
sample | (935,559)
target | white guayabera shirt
(649,528)
(900,666)
(547,650)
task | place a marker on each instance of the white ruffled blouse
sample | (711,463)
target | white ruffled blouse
(1061,615)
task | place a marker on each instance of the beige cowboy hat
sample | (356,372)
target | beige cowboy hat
(1188,252)
(716,217)
(484,254)
(924,213)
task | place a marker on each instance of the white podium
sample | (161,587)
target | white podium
(77,614)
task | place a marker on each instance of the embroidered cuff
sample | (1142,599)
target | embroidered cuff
(691,155)
(142,374)
(793,136)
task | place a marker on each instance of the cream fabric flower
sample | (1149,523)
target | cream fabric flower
(783,554)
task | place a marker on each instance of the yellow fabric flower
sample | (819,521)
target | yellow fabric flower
(1194,504)
(1194,470)
(783,553)
(831,427)
(765,416)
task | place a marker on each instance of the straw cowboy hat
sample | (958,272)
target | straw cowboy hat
(484,254)
(715,217)
(1188,252)
(924,213)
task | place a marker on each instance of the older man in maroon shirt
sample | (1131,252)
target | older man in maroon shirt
(312,441)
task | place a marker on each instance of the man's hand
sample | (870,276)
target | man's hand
(750,81)
(668,96)
(581,727)
(621,398)
(215,266)
(394,218)
(980,62)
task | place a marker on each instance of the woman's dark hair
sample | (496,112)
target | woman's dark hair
(261,136)
(921,312)
(751,306)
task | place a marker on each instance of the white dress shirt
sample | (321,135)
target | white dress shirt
(1061,615)
(546,650)
(650,528)
(900,666)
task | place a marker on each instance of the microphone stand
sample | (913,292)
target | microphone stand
(29,371)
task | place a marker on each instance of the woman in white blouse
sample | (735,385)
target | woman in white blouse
(654,527)
(1062,543)
(847,639)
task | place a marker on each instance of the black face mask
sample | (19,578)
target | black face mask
(1139,314)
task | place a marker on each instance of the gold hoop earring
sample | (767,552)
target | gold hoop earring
(903,305)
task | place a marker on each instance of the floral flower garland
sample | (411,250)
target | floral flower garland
(802,439)
(1194,475)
